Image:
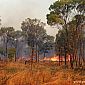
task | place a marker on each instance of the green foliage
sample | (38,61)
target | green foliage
(34,30)
(7,30)
(59,12)
(1,50)
(53,19)
(61,42)
(61,9)
(11,53)
(48,44)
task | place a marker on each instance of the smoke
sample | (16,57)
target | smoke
(13,12)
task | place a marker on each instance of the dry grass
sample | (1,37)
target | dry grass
(41,74)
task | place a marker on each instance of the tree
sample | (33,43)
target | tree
(35,32)
(15,40)
(7,35)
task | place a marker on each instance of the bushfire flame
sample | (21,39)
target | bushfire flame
(54,59)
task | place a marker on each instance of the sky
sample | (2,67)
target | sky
(13,12)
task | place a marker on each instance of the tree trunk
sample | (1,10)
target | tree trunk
(59,56)
(44,54)
(65,54)
(15,57)
(80,53)
(38,56)
(32,57)
(36,53)
(6,51)
(83,53)
(71,62)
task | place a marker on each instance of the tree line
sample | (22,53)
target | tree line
(33,32)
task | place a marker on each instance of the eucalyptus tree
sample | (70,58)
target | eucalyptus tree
(6,32)
(15,41)
(35,33)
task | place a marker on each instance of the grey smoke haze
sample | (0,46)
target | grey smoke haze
(13,12)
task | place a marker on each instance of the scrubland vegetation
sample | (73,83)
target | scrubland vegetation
(31,69)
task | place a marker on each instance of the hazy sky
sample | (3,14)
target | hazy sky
(13,12)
